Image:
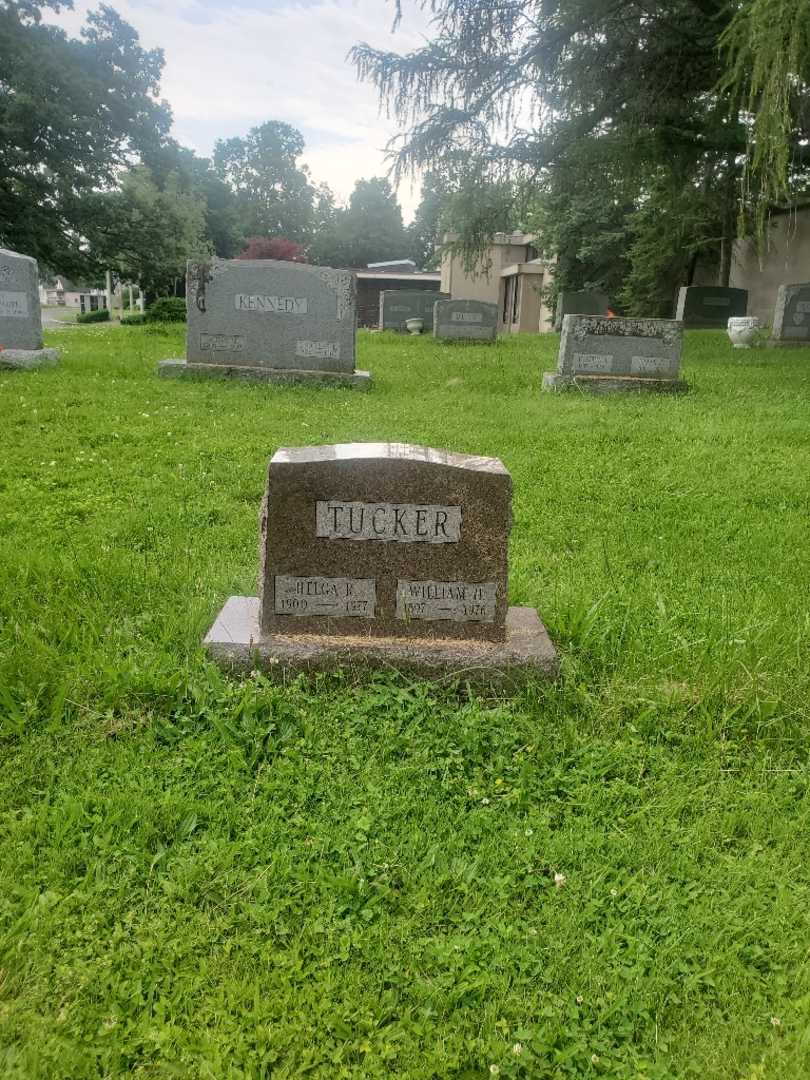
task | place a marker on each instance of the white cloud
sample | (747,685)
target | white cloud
(232,66)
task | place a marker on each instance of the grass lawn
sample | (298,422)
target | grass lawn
(202,877)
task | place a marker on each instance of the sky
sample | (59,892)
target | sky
(233,64)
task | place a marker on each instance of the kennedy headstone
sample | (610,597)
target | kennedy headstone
(791,319)
(388,555)
(465,320)
(602,354)
(20,314)
(270,320)
(710,306)
(399,305)
(584,302)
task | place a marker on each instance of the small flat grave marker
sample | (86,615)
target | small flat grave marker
(465,320)
(384,555)
(602,354)
(270,320)
(20,314)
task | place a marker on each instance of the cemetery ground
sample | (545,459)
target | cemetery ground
(208,877)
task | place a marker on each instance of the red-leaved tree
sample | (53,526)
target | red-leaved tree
(273,247)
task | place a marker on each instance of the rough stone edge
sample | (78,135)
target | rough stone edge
(605,384)
(27,359)
(177,369)
(235,643)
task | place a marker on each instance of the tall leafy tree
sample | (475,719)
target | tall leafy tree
(73,111)
(368,230)
(152,231)
(425,231)
(522,88)
(273,191)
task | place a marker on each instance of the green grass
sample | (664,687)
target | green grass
(202,877)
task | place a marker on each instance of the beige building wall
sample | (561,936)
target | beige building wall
(785,261)
(524,313)
(484,283)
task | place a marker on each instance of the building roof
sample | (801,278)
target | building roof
(403,275)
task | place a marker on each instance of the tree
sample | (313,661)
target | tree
(370,229)
(72,112)
(425,231)
(523,88)
(273,192)
(276,247)
(152,231)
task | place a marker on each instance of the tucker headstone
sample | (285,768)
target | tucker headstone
(465,320)
(20,314)
(399,305)
(585,302)
(602,354)
(384,555)
(709,307)
(275,321)
(791,317)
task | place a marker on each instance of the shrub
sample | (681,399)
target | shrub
(102,315)
(133,320)
(273,247)
(167,309)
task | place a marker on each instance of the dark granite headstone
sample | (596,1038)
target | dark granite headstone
(399,305)
(709,307)
(392,555)
(791,318)
(584,302)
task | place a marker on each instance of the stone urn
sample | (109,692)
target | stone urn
(743,331)
(415,326)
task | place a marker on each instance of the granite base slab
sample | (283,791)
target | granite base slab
(235,642)
(607,384)
(781,343)
(179,369)
(28,359)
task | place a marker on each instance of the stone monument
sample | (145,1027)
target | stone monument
(602,354)
(20,314)
(280,322)
(384,555)
(791,317)
(399,305)
(584,302)
(709,307)
(465,320)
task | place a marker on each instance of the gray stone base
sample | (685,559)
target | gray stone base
(28,358)
(179,369)
(606,384)
(235,642)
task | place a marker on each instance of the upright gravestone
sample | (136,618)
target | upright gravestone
(709,307)
(281,322)
(399,305)
(585,302)
(465,320)
(603,354)
(20,314)
(384,555)
(791,317)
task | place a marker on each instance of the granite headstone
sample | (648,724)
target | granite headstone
(602,354)
(399,305)
(20,314)
(465,320)
(384,554)
(709,307)
(791,318)
(583,302)
(271,320)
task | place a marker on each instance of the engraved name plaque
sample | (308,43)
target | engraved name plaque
(459,601)
(339,596)
(13,305)
(593,362)
(278,305)
(406,523)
